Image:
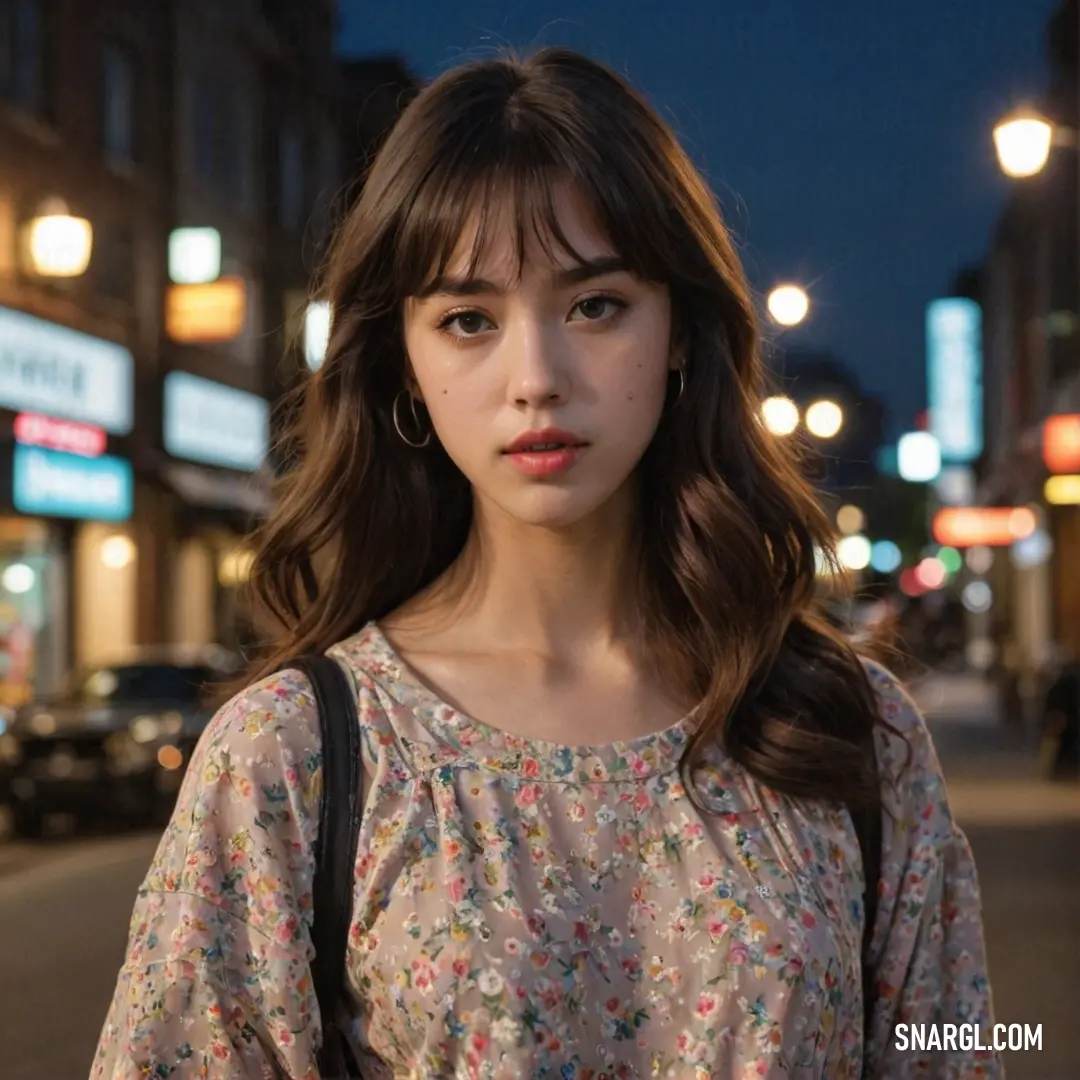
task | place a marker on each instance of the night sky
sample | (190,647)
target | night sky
(848,140)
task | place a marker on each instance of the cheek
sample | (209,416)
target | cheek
(636,394)
(461,414)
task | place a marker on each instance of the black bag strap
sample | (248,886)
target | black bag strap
(867,821)
(340,814)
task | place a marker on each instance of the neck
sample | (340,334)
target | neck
(555,592)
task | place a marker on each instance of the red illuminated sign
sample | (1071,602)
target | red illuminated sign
(1061,443)
(33,429)
(992,526)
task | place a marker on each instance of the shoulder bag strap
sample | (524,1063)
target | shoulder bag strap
(339,827)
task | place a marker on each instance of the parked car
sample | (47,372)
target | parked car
(115,742)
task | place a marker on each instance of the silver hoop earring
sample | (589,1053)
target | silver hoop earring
(416,422)
(682,384)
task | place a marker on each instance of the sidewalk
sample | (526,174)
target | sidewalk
(991,765)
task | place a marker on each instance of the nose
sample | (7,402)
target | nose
(538,372)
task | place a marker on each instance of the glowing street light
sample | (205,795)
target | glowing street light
(788,304)
(850,520)
(824,419)
(58,244)
(1023,141)
(855,552)
(781,414)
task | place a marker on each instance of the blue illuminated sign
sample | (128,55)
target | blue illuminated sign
(215,424)
(54,484)
(954,378)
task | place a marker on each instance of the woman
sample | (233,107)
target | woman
(608,742)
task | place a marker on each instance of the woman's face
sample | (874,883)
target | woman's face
(545,391)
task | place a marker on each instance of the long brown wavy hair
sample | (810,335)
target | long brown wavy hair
(729,524)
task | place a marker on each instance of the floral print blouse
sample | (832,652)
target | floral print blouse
(524,909)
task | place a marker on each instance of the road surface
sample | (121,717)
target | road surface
(64,908)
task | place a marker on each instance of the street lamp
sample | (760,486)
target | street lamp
(1023,141)
(781,414)
(57,243)
(788,304)
(824,419)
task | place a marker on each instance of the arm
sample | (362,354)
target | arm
(928,951)
(216,983)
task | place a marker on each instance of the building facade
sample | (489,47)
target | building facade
(1031,327)
(134,412)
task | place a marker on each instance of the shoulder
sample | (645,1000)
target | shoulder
(385,691)
(276,713)
(895,704)
(281,708)
(905,747)
(268,737)
(259,755)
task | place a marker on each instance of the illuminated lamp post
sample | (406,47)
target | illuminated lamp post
(58,244)
(788,304)
(1023,141)
(824,419)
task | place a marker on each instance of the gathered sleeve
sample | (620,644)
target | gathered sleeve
(928,954)
(216,981)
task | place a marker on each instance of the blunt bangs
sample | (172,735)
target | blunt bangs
(501,165)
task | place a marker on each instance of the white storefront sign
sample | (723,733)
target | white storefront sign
(954,378)
(51,369)
(215,424)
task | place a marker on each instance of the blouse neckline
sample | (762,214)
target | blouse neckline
(539,760)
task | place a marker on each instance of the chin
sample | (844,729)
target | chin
(553,506)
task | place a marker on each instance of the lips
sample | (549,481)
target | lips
(546,440)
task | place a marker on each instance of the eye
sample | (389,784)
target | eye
(470,323)
(594,308)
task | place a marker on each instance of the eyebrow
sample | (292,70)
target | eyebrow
(573,275)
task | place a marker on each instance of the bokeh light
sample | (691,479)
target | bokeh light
(850,519)
(824,419)
(951,559)
(885,557)
(788,304)
(980,559)
(781,414)
(931,573)
(854,552)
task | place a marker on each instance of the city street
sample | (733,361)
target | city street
(64,906)
(1025,834)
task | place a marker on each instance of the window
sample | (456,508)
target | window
(291,179)
(327,183)
(204,129)
(239,146)
(118,103)
(223,135)
(22,79)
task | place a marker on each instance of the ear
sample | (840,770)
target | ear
(680,349)
(411,385)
